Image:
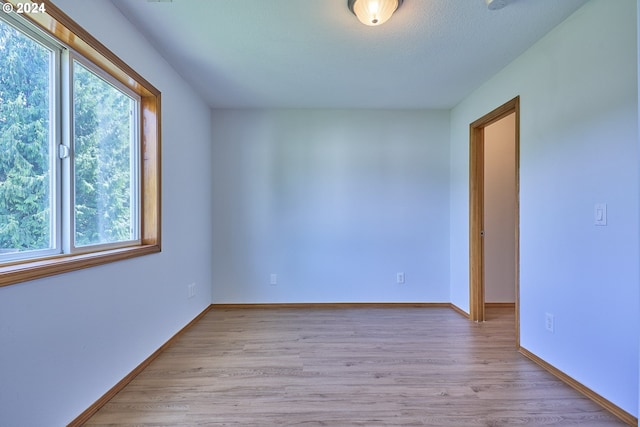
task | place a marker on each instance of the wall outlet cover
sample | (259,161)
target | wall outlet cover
(549,322)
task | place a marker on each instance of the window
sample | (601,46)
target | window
(79,151)
(27,138)
(105,155)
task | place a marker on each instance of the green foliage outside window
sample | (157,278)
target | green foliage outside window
(25,209)
(102,154)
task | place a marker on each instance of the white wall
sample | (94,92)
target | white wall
(65,340)
(335,202)
(579,146)
(500,210)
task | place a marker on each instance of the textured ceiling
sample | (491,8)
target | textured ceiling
(316,54)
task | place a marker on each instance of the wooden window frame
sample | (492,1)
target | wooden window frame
(57,24)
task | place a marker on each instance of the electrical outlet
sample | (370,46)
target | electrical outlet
(273,280)
(400,278)
(191,290)
(548,322)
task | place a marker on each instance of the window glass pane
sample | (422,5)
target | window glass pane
(104,129)
(26,199)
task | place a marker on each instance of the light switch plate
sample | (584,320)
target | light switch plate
(600,214)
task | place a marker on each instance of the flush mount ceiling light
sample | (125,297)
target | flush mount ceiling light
(374,12)
(496,4)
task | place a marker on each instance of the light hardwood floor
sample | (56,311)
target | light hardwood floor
(348,367)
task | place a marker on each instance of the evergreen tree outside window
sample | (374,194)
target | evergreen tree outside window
(27,141)
(104,161)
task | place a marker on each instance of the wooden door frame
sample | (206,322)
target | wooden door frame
(476,209)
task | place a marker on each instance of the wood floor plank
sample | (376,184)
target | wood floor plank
(348,367)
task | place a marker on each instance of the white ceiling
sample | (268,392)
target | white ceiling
(316,54)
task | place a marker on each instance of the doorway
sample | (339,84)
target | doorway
(479,198)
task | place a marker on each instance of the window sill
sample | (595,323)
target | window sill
(37,269)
